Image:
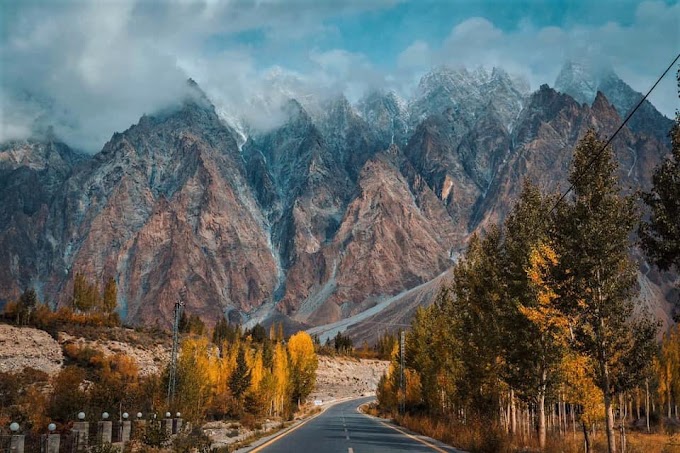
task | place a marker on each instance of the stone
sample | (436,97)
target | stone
(177,425)
(104,432)
(53,443)
(166,426)
(125,431)
(81,432)
(17,443)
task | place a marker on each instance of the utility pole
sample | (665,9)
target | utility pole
(402,381)
(172,381)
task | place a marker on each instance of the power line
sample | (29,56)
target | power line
(599,153)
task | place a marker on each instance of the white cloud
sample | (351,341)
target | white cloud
(638,52)
(95,68)
(417,55)
(91,69)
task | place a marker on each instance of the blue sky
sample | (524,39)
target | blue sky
(93,68)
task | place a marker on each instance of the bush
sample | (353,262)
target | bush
(196,440)
(154,435)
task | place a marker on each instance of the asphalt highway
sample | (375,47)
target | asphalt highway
(343,429)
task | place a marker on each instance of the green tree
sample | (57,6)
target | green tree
(660,235)
(258,333)
(26,305)
(239,382)
(595,272)
(477,314)
(534,344)
(342,343)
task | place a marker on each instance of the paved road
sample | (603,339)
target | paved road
(342,429)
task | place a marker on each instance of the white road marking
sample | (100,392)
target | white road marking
(349,450)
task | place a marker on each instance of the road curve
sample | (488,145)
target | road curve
(343,429)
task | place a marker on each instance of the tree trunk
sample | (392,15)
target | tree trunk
(604,368)
(541,419)
(513,413)
(609,420)
(586,438)
(647,402)
(623,438)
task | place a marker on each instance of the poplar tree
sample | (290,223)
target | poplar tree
(532,325)
(110,298)
(240,379)
(477,312)
(660,236)
(597,276)
(303,363)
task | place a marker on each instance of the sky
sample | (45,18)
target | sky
(93,68)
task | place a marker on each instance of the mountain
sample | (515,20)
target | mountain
(164,206)
(388,116)
(31,173)
(582,81)
(342,217)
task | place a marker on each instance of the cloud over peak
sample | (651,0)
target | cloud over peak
(93,68)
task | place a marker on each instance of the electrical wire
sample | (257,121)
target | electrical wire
(599,153)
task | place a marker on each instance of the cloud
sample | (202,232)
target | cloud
(90,69)
(638,52)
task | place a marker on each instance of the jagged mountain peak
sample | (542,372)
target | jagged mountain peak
(196,95)
(602,105)
(581,80)
(295,112)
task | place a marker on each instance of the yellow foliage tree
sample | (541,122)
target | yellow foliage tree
(668,369)
(580,388)
(256,366)
(303,362)
(550,324)
(281,375)
(195,378)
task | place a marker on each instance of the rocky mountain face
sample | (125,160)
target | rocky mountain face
(31,174)
(583,81)
(313,221)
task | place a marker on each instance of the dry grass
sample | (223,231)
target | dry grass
(479,437)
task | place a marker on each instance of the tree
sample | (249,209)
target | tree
(85,295)
(595,272)
(259,333)
(668,368)
(303,365)
(660,236)
(68,397)
(110,297)
(241,377)
(342,343)
(581,389)
(551,328)
(27,303)
(194,383)
(477,314)
(281,376)
(533,326)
